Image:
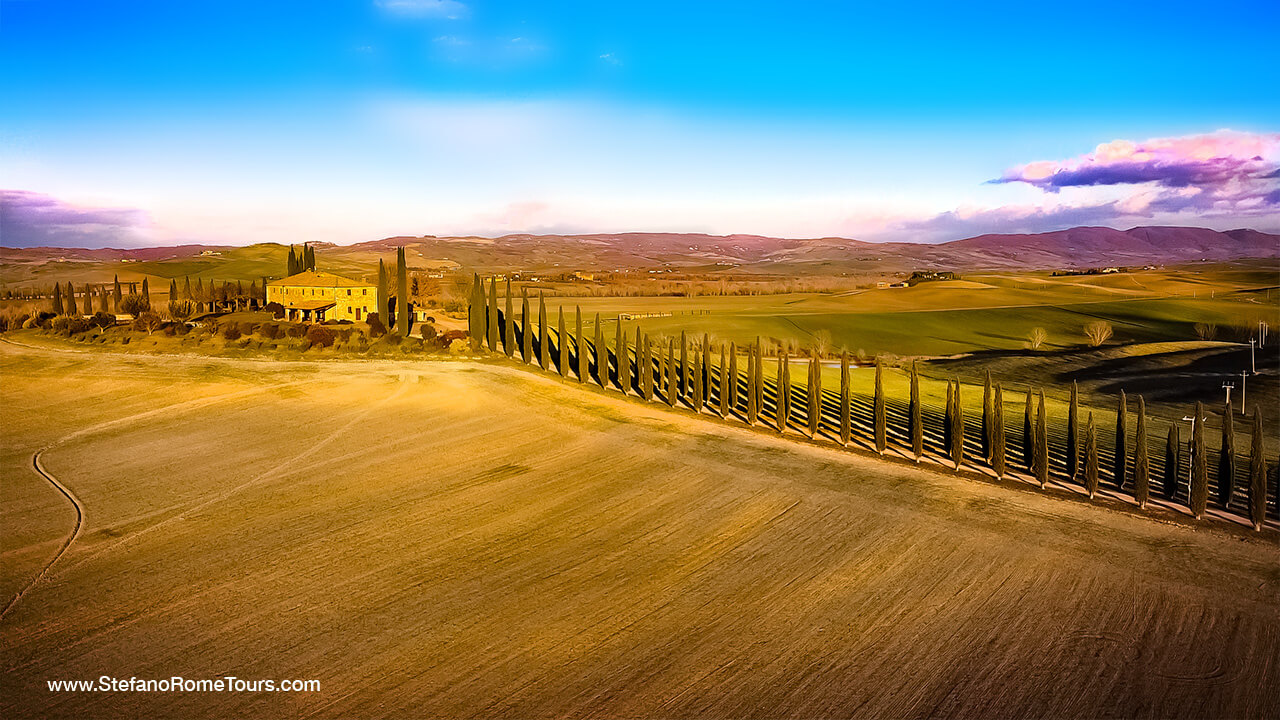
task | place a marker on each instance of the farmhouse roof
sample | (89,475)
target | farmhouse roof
(318,304)
(313,278)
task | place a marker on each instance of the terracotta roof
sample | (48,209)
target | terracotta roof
(313,278)
(310,305)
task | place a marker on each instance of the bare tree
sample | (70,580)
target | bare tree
(1206,331)
(1036,338)
(1098,332)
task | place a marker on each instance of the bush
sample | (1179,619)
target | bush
(320,336)
(231,331)
(376,328)
(344,334)
(180,310)
(458,347)
(248,328)
(295,331)
(269,331)
(148,321)
(275,308)
(392,339)
(103,320)
(133,305)
(305,346)
(428,332)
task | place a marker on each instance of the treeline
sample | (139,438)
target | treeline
(1035,446)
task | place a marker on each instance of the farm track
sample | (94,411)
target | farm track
(71,497)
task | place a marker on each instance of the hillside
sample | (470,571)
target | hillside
(691,252)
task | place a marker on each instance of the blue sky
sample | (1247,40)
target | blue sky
(160,122)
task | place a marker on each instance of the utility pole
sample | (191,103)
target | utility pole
(1253,366)
(1227,386)
(1262,332)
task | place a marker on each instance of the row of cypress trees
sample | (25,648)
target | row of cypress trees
(301,262)
(670,374)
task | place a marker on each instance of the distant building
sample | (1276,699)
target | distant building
(320,296)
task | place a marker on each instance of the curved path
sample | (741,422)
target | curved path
(71,496)
(75,532)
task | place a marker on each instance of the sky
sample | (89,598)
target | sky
(155,123)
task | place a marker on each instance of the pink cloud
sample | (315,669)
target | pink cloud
(1209,160)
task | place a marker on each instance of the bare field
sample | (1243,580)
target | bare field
(457,539)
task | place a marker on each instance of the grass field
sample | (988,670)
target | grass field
(446,539)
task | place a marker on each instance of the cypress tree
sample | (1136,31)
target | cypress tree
(846,414)
(723,395)
(1042,444)
(1257,475)
(173,290)
(402,297)
(623,358)
(986,416)
(1172,463)
(661,379)
(733,377)
(116,295)
(1073,426)
(102,298)
(879,421)
(753,410)
(1121,458)
(310,254)
(815,395)
(1199,465)
(759,377)
(562,362)
(1028,437)
(602,356)
(642,367)
(1090,457)
(544,334)
(186,288)
(916,413)
(88,299)
(581,346)
(1141,465)
(526,328)
(997,432)
(673,381)
(957,429)
(947,423)
(475,309)
(646,368)
(684,367)
(508,325)
(291,267)
(491,317)
(197,294)
(1227,458)
(697,383)
(146,295)
(784,391)
(705,369)
(57,300)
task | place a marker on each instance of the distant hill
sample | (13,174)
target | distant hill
(1081,247)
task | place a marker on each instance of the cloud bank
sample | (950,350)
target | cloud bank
(29,219)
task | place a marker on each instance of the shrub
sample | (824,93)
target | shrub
(305,345)
(61,324)
(148,322)
(231,331)
(269,331)
(103,320)
(428,332)
(376,328)
(248,328)
(458,347)
(296,330)
(180,310)
(1098,332)
(275,308)
(133,305)
(320,336)
(344,334)
(393,339)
